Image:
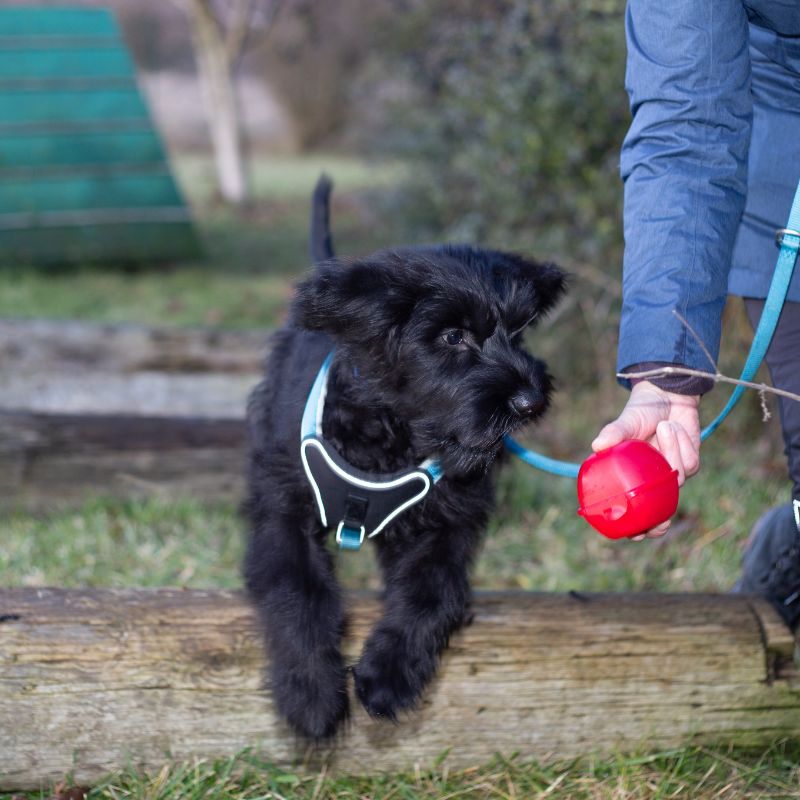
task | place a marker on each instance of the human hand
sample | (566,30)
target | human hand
(670,422)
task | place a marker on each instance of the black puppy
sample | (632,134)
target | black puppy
(427,376)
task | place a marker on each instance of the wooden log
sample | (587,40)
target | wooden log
(96,680)
(64,346)
(57,460)
(140,393)
(122,410)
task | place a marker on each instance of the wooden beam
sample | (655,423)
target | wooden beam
(96,680)
(122,410)
(60,347)
(57,460)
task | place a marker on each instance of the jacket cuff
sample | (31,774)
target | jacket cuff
(677,384)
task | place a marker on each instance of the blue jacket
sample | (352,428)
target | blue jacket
(710,165)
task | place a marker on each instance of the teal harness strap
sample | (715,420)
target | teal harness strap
(565,469)
(789,240)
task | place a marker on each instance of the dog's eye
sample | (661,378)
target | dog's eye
(454,337)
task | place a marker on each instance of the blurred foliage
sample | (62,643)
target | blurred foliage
(157,33)
(513,113)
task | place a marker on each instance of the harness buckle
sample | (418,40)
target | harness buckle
(781,232)
(351,531)
(349,538)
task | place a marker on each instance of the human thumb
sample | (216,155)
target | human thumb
(620,430)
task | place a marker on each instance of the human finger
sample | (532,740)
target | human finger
(653,533)
(690,456)
(659,530)
(667,443)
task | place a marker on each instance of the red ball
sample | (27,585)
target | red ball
(627,489)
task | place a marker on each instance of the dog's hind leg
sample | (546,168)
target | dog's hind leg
(290,577)
(427,599)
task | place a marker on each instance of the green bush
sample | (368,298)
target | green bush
(513,114)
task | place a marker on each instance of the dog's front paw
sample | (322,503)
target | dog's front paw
(314,703)
(386,683)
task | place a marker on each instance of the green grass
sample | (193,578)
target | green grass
(286,177)
(251,256)
(112,543)
(691,773)
(535,541)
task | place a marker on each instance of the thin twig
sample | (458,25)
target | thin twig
(697,338)
(662,372)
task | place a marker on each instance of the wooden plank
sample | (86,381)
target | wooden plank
(145,394)
(63,84)
(42,348)
(37,21)
(75,192)
(80,149)
(66,62)
(92,217)
(59,41)
(122,411)
(120,678)
(32,106)
(61,172)
(75,127)
(127,242)
(54,460)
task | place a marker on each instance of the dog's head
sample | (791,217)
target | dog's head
(437,332)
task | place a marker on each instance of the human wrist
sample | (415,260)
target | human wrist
(644,386)
(691,385)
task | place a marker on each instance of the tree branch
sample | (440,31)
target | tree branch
(237,28)
(245,21)
(717,377)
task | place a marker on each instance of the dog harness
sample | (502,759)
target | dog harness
(357,503)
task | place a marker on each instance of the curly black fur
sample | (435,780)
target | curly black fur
(429,360)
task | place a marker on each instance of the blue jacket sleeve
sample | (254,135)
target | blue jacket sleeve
(684,165)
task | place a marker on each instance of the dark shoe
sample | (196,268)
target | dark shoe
(771,563)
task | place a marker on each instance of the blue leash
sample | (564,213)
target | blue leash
(789,240)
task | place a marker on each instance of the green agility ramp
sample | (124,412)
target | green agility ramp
(83,175)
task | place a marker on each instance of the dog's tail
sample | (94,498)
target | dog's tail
(321,242)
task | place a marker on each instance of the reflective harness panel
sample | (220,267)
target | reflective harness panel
(355,502)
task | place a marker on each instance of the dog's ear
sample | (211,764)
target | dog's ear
(356,301)
(544,280)
(551,283)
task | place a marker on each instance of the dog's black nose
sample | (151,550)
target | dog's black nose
(526,402)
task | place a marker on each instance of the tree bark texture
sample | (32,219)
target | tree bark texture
(96,680)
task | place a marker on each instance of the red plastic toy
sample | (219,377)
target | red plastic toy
(627,489)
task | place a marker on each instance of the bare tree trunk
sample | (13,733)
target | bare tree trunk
(215,63)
